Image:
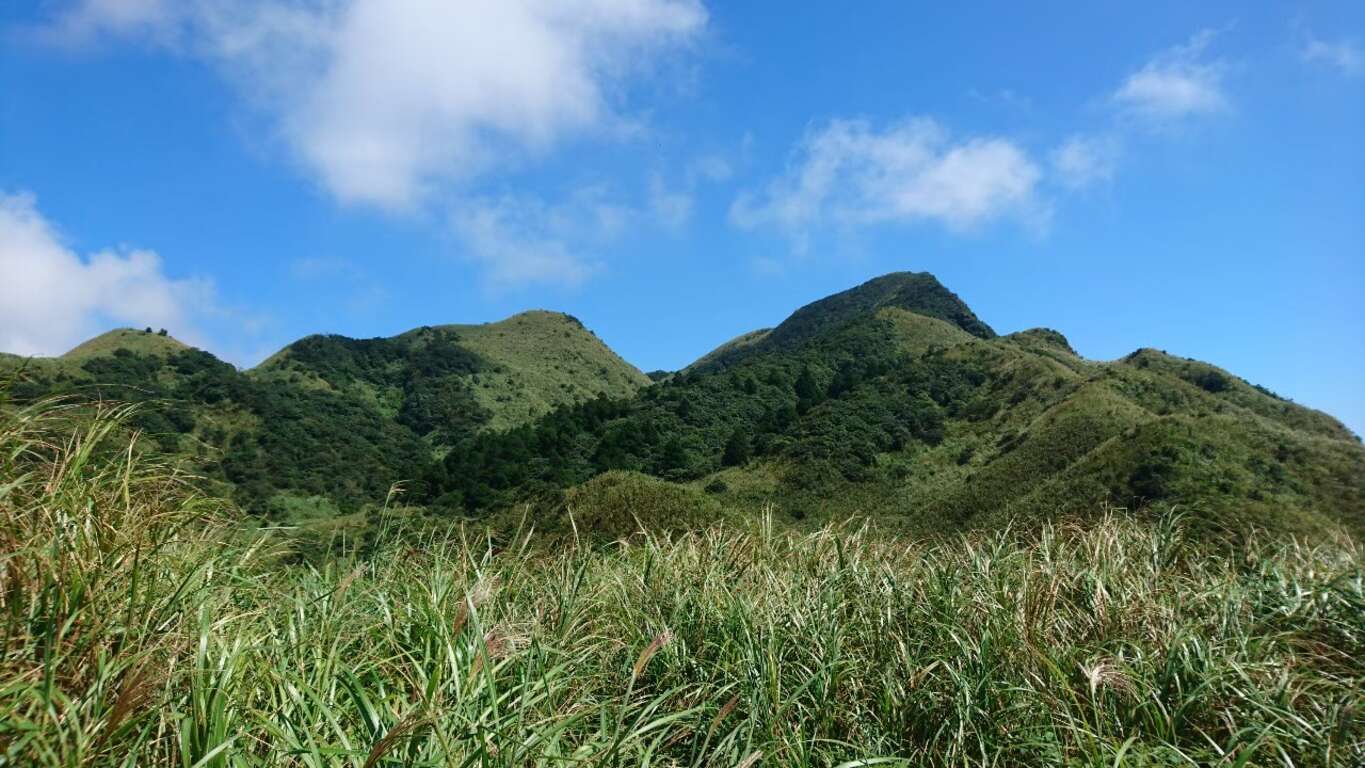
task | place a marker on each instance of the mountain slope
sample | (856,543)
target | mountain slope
(145,342)
(860,405)
(499,374)
(891,400)
(730,349)
(329,422)
(541,360)
(915,292)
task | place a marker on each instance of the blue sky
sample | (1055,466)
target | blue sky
(1187,176)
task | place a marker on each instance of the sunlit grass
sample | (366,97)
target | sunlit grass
(141,628)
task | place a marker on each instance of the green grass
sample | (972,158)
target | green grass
(131,339)
(542,359)
(528,364)
(142,626)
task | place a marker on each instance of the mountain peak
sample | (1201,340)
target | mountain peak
(918,292)
(147,342)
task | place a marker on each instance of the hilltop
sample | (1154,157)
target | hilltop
(919,293)
(512,371)
(142,342)
(119,341)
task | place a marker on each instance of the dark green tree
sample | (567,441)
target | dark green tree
(737,449)
(807,391)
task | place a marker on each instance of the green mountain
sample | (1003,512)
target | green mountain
(894,401)
(919,293)
(331,422)
(496,375)
(891,401)
(730,350)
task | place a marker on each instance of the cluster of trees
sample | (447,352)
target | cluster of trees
(263,435)
(429,372)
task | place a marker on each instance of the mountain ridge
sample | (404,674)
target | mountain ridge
(891,399)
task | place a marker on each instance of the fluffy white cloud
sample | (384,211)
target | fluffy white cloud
(1083,161)
(1176,83)
(848,173)
(52,299)
(385,99)
(1344,55)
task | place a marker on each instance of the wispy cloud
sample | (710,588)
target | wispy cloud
(522,240)
(1177,83)
(672,202)
(1084,161)
(672,207)
(86,21)
(51,298)
(386,102)
(849,173)
(1346,56)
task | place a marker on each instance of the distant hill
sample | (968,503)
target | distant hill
(919,293)
(891,400)
(512,371)
(333,419)
(144,342)
(120,340)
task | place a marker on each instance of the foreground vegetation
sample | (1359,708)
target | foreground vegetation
(142,626)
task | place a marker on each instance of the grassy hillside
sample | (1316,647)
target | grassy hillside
(143,627)
(330,423)
(541,360)
(861,405)
(514,371)
(144,342)
(125,340)
(730,349)
(891,400)
(916,292)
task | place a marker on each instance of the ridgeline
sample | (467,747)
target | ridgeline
(891,401)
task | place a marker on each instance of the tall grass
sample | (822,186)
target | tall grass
(140,628)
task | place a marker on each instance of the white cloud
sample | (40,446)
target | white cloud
(672,205)
(1176,83)
(521,240)
(1084,161)
(52,299)
(385,100)
(850,174)
(1344,55)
